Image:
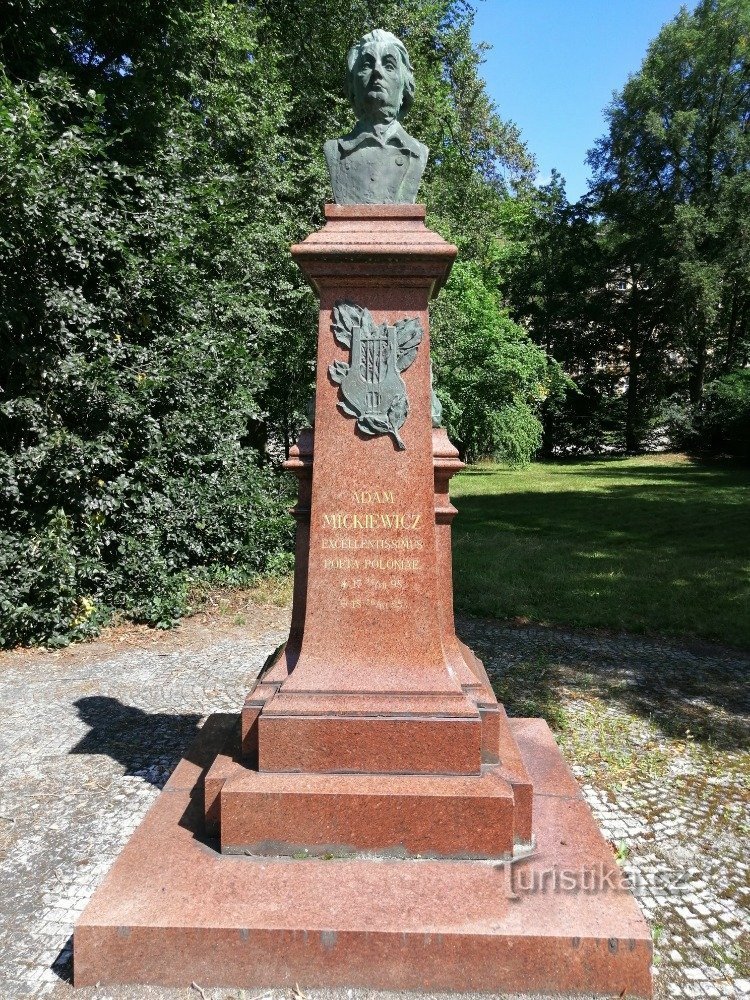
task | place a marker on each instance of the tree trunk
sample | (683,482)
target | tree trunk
(632,397)
(548,433)
(632,437)
(698,372)
(742,357)
(731,333)
(256,437)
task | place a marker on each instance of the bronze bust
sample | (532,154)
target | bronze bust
(378,163)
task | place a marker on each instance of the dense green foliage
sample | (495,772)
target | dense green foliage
(654,544)
(133,295)
(157,160)
(642,290)
(491,381)
(724,417)
(157,341)
(672,179)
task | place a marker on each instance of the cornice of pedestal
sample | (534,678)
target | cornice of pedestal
(301,453)
(379,243)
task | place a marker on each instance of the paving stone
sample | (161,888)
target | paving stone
(90,735)
(683,827)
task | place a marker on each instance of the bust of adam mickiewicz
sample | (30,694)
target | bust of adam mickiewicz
(378,163)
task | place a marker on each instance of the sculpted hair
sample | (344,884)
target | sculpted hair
(352,58)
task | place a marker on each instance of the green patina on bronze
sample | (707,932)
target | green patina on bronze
(372,390)
(378,163)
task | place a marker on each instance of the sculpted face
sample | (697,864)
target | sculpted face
(378,82)
(378,163)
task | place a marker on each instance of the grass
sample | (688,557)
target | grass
(272,590)
(657,544)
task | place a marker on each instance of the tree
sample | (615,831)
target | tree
(491,378)
(474,155)
(724,418)
(138,240)
(554,279)
(671,181)
(156,164)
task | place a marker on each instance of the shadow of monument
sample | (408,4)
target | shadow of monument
(63,964)
(146,744)
(149,745)
(131,724)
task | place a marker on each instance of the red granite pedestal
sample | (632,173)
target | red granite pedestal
(374,730)
(373,739)
(173,910)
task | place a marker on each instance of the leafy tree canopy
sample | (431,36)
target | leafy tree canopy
(671,179)
(642,289)
(157,160)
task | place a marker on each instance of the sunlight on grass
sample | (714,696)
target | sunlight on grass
(654,544)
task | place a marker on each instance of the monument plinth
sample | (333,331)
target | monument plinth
(362,820)
(371,670)
(374,730)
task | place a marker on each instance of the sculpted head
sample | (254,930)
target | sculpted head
(378,162)
(380,78)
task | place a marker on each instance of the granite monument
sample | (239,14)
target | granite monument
(357,823)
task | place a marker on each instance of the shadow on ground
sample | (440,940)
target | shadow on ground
(146,744)
(624,546)
(691,472)
(63,964)
(716,474)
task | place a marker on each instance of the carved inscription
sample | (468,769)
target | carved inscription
(373,547)
(372,522)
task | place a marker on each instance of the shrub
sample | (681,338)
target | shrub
(586,419)
(128,380)
(678,418)
(724,418)
(490,377)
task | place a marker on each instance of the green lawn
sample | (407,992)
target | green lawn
(656,544)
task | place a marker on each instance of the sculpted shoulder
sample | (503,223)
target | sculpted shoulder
(415,147)
(331,152)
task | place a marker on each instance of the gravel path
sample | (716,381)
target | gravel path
(657,733)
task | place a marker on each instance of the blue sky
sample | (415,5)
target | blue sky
(553,67)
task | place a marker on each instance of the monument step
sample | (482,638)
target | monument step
(266,697)
(362,814)
(233,760)
(173,910)
(381,744)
